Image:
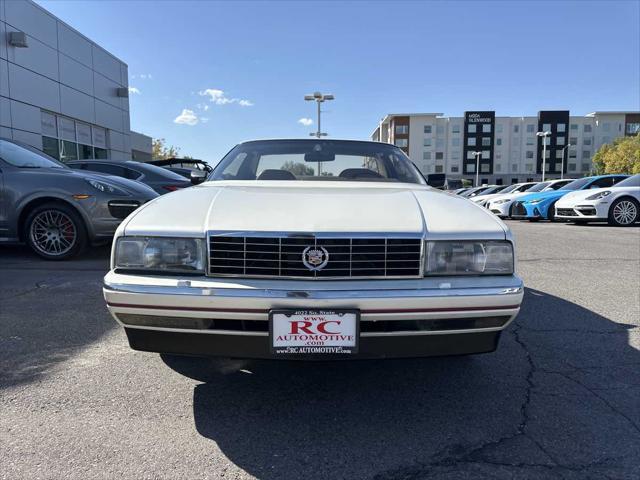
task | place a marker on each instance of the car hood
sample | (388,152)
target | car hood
(552,195)
(582,194)
(131,186)
(482,198)
(322,207)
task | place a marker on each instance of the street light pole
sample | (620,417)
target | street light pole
(477,154)
(318,98)
(544,136)
(564,151)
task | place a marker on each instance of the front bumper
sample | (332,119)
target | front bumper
(522,210)
(500,209)
(584,210)
(229,317)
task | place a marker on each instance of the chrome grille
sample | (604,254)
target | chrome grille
(275,256)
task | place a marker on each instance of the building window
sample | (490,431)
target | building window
(546,127)
(455,142)
(498,155)
(514,167)
(51,147)
(546,167)
(470,168)
(486,154)
(499,128)
(455,155)
(470,156)
(498,141)
(439,129)
(426,156)
(586,154)
(427,142)
(485,168)
(65,139)
(546,141)
(586,167)
(586,141)
(439,143)
(455,128)
(402,129)
(516,128)
(530,141)
(573,140)
(561,127)
(497,167)
(606,127)
(632,128)
(471,141)
(547,154)
(528,167)
(471,128)
(439,168)
(439,155)
(486,141)
(529,154)
(486,128)
(560,141)
(587,128)
(559,153)
(454,168)
(427,129)
(572,154)
(572,167)
(574,126)
(531,128)
(402,142)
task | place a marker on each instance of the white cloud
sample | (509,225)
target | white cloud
(187,117)
(134,90)
(305,121)
(219,98)
(204,119)
(143,76)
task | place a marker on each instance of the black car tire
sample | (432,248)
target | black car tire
(615,217)
(65,236)
(551,212)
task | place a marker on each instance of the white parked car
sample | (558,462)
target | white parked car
(501,204)
(619,205)
(484,199)
(313,249)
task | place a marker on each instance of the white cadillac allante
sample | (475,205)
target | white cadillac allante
(313,249)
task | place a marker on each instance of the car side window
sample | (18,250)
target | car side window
(602,183)
(131,174)
(108,169)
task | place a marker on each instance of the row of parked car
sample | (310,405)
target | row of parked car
(58,209)
(604,198)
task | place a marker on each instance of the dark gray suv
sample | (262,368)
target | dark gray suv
(57,211)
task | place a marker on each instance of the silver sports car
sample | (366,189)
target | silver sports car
(57,210)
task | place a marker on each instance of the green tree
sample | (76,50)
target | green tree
(621,156)
(297,168)
(160,151)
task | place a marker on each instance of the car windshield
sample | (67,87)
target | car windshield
(510,188)
(24,156)
(578,184)
(538,187)
(558,185)
(633,181)
(321,160)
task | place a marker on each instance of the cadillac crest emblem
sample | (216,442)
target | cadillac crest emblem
(315,258)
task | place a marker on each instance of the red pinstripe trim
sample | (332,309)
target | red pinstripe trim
(259,310)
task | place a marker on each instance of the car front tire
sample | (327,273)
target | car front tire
(624,212)
(55,231)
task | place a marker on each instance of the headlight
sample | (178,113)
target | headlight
(500,202)
(469,258)
(105,187)
(599,195)
(180,255)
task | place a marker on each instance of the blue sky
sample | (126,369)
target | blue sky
(376,57)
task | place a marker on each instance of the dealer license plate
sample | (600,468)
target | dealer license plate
(314,332)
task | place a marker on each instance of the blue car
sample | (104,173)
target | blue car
(540,205)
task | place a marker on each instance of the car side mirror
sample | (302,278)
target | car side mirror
(197,177)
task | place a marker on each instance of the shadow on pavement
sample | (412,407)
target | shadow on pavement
(550,401)
(48,310)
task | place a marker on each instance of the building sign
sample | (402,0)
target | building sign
(479,117)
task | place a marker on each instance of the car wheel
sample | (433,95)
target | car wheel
(623,212)
(551,212)
(55,231)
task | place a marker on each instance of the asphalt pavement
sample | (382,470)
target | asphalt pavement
(560,398)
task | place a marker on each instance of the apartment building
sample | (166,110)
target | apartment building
(505,149)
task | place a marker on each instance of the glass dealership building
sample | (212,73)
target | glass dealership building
(60,91)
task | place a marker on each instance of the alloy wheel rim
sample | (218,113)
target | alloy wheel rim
(625,212)
(53,232)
